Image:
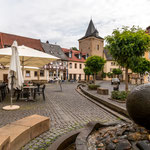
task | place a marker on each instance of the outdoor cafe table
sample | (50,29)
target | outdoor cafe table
(31,91)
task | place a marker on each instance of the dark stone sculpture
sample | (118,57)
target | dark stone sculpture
(138,105)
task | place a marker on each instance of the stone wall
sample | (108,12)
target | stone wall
(89,45)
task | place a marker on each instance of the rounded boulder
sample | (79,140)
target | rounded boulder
(138,105)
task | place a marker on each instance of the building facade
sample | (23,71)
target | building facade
(57,69)
(30,73)
(110,64)
(76,64)
(91,43)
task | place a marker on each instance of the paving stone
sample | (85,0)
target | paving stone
(35,147)
(67,110)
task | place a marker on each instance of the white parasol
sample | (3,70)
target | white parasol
(15,79)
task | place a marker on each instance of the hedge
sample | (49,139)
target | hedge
(93,86)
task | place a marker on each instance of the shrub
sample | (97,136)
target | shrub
(104,75)
(93,86)
(119,95)
(109,74)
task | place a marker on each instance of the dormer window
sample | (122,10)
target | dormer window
(70,54)
(80,56)
(51,52)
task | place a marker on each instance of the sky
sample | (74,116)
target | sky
(65,21)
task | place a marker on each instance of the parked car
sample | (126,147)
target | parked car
(115,81)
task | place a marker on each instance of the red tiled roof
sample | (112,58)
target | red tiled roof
(7,40)
(84,54)
(74,58)
(66,50)
(76,52)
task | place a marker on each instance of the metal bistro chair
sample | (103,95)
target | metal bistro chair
(3,91)
(1,94)
(40,90)
(21,94)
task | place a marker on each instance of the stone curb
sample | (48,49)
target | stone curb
(114,107)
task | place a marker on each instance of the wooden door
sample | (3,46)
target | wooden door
(5,78)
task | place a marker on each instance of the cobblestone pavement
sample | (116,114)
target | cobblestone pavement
(67,110)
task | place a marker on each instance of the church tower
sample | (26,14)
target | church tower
(91,43)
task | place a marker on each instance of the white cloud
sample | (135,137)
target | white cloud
(65,21)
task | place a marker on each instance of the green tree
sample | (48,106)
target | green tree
(125,44)
(104,74)
(117,71)
(74,48)
(140,65)
(109,74)
(95,64)
(87,71)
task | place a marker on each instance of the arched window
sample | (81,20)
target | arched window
(80,66)
(70,65)
(75,65)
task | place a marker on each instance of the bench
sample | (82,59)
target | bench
(102,91)
(4,142)
(24,130)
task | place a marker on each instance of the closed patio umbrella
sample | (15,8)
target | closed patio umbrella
(15,78)
(15,69)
